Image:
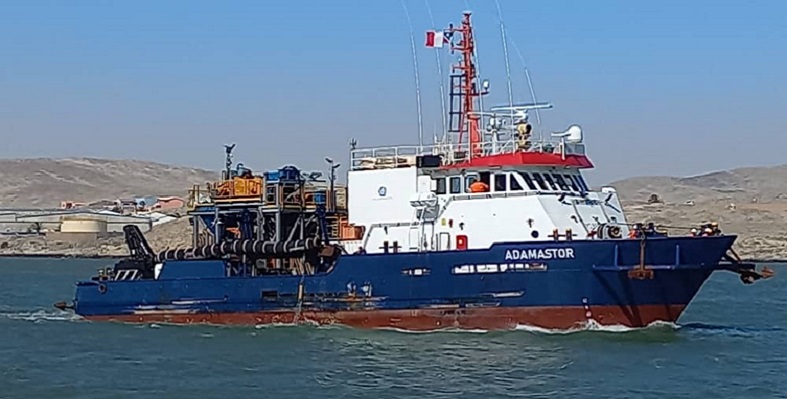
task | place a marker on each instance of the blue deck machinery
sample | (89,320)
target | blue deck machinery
(280,222)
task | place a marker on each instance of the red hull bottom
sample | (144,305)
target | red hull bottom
(561,318)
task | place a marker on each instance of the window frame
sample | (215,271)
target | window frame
(558,180)
(504,180)
(512,182)
(573,182)
(441,186)
(548,179)
(528,180)
(455,188)
(540,182)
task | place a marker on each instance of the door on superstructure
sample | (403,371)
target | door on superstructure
(443,241)
(415,238)
(427,236)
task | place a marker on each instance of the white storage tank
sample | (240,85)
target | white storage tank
(83,224)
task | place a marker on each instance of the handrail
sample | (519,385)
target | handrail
(199,196)
(397,156)
(239,189)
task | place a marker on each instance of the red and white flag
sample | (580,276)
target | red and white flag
(435,38)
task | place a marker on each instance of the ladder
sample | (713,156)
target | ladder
(455,104)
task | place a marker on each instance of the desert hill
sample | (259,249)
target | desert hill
(749,202)
(763,184)
(44,182)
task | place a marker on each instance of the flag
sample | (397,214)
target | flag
(434,38)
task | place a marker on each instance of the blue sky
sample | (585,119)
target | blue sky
(666,87)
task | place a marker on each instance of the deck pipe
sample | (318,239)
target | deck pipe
(242,247)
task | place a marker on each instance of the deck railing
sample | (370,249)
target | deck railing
(403,156)
(228,191)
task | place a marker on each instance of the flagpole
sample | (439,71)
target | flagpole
(444,111)
(508,68)
(527,72)
(417,81)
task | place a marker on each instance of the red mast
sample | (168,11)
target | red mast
(468,90)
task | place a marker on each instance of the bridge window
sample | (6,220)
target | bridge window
(561,183)
(485,177)
(440,186)
(528,180)
(582,183)
(455,185)
(515,186)
(573,183)
(470,179)
(540,180)
(551,182)
(501,183)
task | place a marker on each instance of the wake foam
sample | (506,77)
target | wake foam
(589,326)
(436,330)
(277,325)
(594,326)
(41,315)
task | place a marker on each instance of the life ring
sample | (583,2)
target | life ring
(102,288)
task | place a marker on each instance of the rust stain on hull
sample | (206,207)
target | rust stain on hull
(561,318)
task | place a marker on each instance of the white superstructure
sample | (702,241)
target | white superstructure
(401,207)
(494,183)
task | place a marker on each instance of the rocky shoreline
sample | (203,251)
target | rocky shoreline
(40,247)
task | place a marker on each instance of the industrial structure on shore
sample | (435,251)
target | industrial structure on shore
(88,221)
(79,225)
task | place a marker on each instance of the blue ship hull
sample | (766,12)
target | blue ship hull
(546,284)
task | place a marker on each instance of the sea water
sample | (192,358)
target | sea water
(730,343)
